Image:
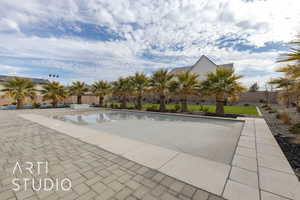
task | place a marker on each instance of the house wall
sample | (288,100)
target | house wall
(203,66)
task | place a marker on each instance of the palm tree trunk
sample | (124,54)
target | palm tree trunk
(19,103)
(54,104)
(220,100)
(220,108)
(101,98)
(139,102)
(162,103)
(184,104)
(79,99)
(123,102)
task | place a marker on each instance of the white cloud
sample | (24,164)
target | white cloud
(193,25)
(12,70)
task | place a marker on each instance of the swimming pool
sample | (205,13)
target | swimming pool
(213,139)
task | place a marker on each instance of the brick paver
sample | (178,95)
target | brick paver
(94,172)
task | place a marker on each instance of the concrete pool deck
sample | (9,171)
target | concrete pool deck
(259,170)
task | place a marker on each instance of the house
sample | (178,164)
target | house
(202,66)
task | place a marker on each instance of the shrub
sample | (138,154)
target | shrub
(246,104)
(268,108)
(36,105)
(205,109)
(201,108)
(285,118)
(14,103)
(154,107)
(295,129)
(111,105)
(261,101)
(177,107)
(105,105)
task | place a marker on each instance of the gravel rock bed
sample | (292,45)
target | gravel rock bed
(283,135)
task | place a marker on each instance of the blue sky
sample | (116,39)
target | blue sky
(96,39)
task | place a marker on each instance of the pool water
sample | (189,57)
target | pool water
(213,139)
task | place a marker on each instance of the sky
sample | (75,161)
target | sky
(92,40)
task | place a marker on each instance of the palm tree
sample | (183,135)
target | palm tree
(123,88)
(186,84)
(222,83)
(140,82)
(287,84)
(292,71)
(160,82)
(18,89)
(101,89)
(294,54)
(55,92)
(79,89)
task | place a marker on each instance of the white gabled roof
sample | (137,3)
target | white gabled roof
(183,69)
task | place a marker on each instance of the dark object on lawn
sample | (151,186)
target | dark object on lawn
(224,115)
(295,129)
(246,104)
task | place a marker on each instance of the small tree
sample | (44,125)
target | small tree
(286,84)
(254,87)
(222,83)
(101,89)
(123,88)
(55,92)
(78,89)
(140,83)
(185,85)
(18,89)
(160,83)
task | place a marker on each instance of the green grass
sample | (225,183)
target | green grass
(244,110)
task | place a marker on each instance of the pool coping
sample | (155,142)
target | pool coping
(175,114)
(256,173)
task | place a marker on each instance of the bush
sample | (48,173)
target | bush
(246,104)
(205,109)
(36,105)
(268,108)
(152,108)
(295,129)
(111,105)
(177,107)
(285,118)
(105,105)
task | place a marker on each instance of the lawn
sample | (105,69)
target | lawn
(244,110)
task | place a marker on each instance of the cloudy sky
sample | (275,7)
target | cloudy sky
(104,39)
